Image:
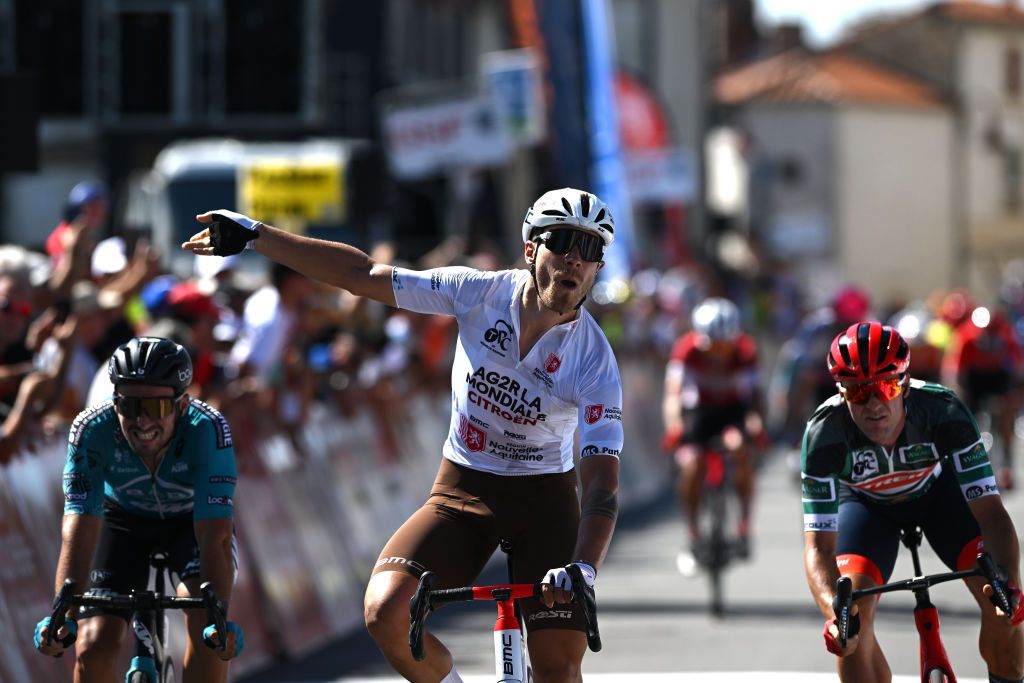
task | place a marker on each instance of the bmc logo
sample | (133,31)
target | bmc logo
(552,363)
(593,413)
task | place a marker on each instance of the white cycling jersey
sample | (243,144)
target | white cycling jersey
(512,416)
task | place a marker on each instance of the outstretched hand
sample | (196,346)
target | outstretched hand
(201,242)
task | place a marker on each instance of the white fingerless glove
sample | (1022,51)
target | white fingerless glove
(559,577)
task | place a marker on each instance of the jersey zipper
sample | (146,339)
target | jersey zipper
(156,497)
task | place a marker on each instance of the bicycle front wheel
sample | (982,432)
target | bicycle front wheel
(140,677)
(937,676)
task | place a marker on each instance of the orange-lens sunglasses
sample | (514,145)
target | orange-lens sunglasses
(884,389)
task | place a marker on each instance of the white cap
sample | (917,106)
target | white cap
(109,257)
(211,266)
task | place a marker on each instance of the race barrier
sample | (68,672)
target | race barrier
(313,510)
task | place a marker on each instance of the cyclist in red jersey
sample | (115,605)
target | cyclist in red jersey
(983,364)
(712,399)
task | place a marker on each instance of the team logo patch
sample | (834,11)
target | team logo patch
(865,465)
(471,435)
(593,413)
(500,335)
(552,363)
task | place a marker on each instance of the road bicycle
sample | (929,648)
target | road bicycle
(717,547)
(148,620)
(510,659)
(935,666)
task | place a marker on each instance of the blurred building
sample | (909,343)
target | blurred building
(893,159)
(470,106)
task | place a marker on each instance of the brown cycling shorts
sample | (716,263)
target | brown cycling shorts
(466,516)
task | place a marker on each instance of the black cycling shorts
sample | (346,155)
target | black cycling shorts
(869,532)
(469,512)
(978,386)
(121,563)
(705,424)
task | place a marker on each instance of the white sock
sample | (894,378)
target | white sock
(452,677)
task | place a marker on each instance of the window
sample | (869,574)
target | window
(1012,71)
(49,44)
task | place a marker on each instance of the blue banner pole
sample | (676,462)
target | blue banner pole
(607,171)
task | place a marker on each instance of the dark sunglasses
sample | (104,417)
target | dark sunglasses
(884,389)
(15,306)
(153,407)
(563,240)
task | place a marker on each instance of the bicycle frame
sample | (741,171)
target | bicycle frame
(509,654)
(933,657)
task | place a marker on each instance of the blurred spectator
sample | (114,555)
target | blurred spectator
(87,208)
(25,390)
(266,362)
(92,323)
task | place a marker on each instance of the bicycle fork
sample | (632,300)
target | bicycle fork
(932,653)
(508,645)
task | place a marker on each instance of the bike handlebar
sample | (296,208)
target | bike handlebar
(425,600)
(845,595)
(134,601)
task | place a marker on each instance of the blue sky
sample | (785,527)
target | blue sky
(824,20)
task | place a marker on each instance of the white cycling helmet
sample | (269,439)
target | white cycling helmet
(570,207)
(717,319)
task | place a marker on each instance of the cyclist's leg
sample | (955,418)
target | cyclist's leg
(700,429)
(542,522)
(954,535)
(738,446)
(97,648)
(688,484)
(451,535)
(201,664)
(866,552)
(119,565)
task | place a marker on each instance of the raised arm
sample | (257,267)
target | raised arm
(333,263)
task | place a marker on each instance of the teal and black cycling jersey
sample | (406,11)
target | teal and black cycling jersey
(939,432)
(197,474)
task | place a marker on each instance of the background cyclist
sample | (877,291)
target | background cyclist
(712,400)
(884,452)
(984,363)
(530,367)
(149,469)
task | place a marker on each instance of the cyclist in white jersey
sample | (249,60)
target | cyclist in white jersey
(531,368)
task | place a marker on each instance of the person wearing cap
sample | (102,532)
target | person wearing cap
(87,208)
(531,367)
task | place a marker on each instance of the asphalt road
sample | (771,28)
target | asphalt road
(654,621)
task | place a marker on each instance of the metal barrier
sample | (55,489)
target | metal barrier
(312,514)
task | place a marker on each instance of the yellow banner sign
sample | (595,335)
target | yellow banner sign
(292,194)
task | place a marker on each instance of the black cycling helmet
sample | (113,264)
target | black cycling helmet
(152,361)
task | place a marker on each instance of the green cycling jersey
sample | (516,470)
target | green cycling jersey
(939,432)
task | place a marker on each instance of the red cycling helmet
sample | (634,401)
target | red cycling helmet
(868,351)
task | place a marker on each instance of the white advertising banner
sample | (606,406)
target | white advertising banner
(426,139)
(661,176)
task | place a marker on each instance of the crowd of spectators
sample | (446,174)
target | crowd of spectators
(265,355)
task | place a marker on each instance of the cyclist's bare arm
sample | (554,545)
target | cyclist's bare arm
(820,564)
(999,533)
(333,263)
(216,563)
(672,404)
(80,533)
(599,476)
